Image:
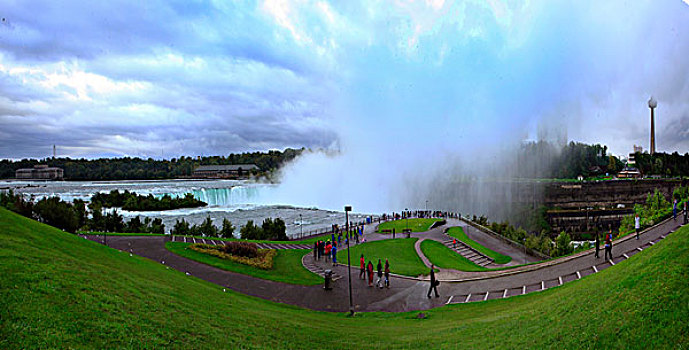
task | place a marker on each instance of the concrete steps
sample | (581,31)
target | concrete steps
(468,252)
(314,267)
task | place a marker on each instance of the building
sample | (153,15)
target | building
(235,171)
(40,172)
(629,173)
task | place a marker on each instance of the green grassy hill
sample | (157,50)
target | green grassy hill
(61,291)
(414,224)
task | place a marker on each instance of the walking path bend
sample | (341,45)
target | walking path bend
(405,293)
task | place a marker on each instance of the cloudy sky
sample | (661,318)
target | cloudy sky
(156,78)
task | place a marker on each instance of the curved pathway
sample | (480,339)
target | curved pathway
(405,293)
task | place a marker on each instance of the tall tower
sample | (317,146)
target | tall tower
(652,104)
(54,151)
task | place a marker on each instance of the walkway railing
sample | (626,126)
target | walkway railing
(505,239)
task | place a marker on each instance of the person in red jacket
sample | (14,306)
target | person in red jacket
(370,273)
(362,265)
(328,247)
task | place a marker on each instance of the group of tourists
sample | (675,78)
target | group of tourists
(608,245)
(382,272)
(326,250)
(355,234)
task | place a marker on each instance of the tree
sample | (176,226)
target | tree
(114,222)
(227,230)
(55,212)
(207,228)
(134,225)
(563,244)
(274,229)
(251,231)
(180,228)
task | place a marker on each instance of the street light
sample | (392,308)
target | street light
(426,209)
(301,227)
(406,216)
(347,209)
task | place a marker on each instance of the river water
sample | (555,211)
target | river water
(236,200)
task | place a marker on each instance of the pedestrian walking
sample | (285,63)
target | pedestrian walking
(674,210)
(393,233)
(362,265)
(637,225)
(334,254)
(608,246)
(328,248)
(379,268)
(454,243)
(686,217)
(597,246)
(370,273)
(315,250)
(387,273)
(434,284)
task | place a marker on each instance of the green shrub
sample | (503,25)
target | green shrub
(245,249)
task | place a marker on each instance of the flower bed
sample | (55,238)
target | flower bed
(263,259)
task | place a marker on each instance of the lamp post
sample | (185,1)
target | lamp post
(426,209)
(652,104)
(406,216)
(301,227)
(347,209)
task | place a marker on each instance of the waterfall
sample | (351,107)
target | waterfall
(229,196)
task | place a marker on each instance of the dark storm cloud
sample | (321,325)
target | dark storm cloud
(154,77)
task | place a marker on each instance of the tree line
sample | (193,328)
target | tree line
(664,164)
(270,230)
(78,216)
(134,202)
(546,160)
(127,168)
(74,216)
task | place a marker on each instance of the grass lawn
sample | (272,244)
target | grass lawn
(61,291)
(458,232)
(287,265)
(416,225)
(444,258)
(400,253)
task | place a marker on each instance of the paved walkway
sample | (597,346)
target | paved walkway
(185,239)
(405,293)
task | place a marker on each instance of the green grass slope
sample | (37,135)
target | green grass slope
(61,291)
(458,232)
(287,266)
(400,253)
(415,225)
(444,258)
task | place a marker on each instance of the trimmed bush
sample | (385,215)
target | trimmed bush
(245,249)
